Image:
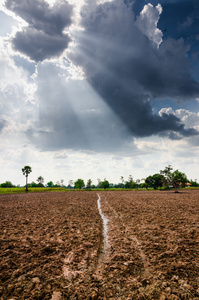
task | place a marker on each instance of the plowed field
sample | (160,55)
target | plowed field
(52,245)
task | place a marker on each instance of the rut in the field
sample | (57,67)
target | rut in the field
(106,246)
(134,239)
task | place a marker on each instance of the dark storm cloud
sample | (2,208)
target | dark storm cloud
(125,68)
(38,45)
(176,132)
(44,37)
(39,15)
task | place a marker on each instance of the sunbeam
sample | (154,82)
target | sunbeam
(117,77)
(90,108)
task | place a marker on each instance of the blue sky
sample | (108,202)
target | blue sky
(98,89)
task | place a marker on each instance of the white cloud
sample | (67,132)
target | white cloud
(190,119)
(146,146)
(61,155)
(147,22)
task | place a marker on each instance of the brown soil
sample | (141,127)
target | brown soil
(51,244)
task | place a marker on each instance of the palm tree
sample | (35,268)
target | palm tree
(26,171)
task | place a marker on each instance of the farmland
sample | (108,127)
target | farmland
(52,245)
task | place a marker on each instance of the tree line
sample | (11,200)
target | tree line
(165,179)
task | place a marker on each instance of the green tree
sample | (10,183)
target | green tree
(50,184)
(143,185)
(137,183)
(40,181)
(122,180)
(194,182)
(99,183)
(105,184)
(154,181)
(70,184)
(167,175)
(26,171)
(7,184)
(149,181)
(33,184)
(178,179)
(89,183)
(127,185)
(130,183)
(79,184)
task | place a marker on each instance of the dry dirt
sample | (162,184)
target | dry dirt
(52,244)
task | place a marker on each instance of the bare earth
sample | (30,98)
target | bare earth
(52,246)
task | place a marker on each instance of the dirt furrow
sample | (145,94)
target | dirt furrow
(51,246)
(135,242)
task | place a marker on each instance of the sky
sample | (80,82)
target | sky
(98,89)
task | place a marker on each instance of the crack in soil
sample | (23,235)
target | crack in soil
(105,249)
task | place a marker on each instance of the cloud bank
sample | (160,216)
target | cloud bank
(123,66)
(126,62)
